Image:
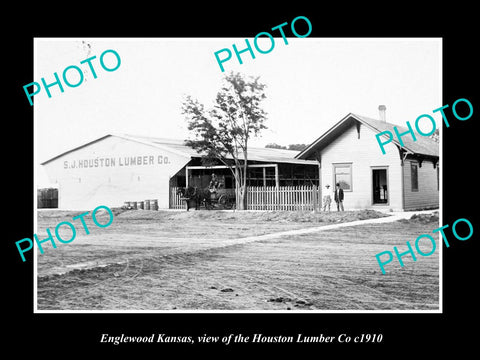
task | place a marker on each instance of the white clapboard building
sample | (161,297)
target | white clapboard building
(406,177)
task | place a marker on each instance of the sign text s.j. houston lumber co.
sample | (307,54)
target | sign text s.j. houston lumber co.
(116,161)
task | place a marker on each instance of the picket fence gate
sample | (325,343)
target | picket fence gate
(176,201)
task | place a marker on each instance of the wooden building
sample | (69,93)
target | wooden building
(405,178)
(115,169)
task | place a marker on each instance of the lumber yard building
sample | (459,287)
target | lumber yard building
(115,169)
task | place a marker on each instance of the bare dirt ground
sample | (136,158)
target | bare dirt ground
(164,260)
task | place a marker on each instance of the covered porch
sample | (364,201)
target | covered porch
(267,177)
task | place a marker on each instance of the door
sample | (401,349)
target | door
(380,185)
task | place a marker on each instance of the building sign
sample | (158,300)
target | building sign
(116,161)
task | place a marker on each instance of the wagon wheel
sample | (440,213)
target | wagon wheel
(225,201)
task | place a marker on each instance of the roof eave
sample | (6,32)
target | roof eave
(122,136)
(323,136)
(309,148)
(75,149)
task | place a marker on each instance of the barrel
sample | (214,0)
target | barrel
(139,205)
(147,204)
(154,204)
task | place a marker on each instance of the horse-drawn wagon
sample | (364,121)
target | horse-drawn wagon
(217,199)
(223,198)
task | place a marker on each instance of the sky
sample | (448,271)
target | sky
(312,83)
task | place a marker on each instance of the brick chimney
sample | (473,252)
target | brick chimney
(381,110)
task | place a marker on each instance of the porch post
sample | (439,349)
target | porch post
(318,157)
(277,182)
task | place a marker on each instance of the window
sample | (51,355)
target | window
(414,175)
(342,174)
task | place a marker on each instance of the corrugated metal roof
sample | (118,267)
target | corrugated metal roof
(422,146)
(177,146)
(254,154)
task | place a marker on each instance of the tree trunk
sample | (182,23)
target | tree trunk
(239,191)
(243,188)
(241,199)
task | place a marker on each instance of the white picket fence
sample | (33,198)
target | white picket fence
(293,198)
(175,200)
(283,198)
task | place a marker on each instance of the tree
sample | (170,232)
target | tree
(435,136)
(275,146)
(297,147)
(222,133)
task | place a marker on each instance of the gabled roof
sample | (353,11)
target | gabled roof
(124,136)
(178,147)
(422,146)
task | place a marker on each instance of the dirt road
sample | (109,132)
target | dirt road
(189,261)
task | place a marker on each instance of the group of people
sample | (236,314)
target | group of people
(336,194)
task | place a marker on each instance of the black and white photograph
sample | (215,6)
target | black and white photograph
(263,187)
(229,178)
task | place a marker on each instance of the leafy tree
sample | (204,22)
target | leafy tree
(297,147)
(222,133)
(435,136)
(275,146)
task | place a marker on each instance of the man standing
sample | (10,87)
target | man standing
(327,198)
(339,197)
(213,183)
